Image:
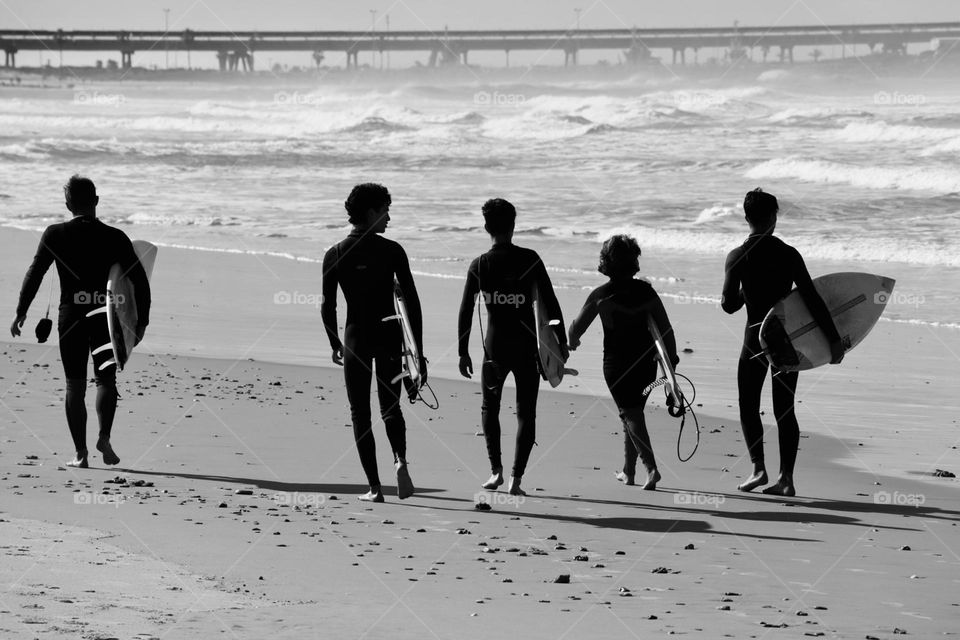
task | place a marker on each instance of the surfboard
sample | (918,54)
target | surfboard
(121,310)
(410,354)
(666,368)
(793,341)
(551,355)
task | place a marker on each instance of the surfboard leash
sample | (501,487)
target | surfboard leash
(686,406)
(419,397)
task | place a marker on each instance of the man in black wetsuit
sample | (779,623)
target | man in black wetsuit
(505,276)
(84,249)
(759,273)
(364,265)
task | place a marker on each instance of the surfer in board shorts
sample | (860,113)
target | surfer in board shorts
(506,276)
(364,266)
(84,249)
(624,303)
(759,273)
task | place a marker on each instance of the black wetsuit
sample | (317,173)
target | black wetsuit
(84,249)
(629,364)
(506,276)
(758,274)
(364,265)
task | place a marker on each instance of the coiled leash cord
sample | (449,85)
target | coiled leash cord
(681,410)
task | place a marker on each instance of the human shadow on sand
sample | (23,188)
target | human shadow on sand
(278,485)
(718,511)
(650,525)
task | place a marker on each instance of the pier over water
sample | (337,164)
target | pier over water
(236,50)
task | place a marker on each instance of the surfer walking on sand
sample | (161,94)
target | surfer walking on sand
(365,265)
(759,273)
(624,304)
(84,250)
(506,277)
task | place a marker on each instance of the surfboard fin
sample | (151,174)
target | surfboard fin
(102,348)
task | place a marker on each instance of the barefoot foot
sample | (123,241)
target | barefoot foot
(80,462)
(758,479)
(374,495)
(626,479)
(782,488)
(404,483)
(653,477)
(109,456)
(496,479)
(514,488)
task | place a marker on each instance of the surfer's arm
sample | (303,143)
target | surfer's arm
(465,318)
(659,313)
(34,278)
(732,299)
(818,308)
(328,303)
(414,311)
(584,319)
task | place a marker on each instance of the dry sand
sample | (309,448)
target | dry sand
(164,546)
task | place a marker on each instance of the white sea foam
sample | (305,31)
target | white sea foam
(913,177)
(884,132)
(716,212)
(862,249)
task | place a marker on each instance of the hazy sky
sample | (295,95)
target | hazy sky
(458,14)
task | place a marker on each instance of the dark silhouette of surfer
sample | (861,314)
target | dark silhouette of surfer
(364,265)
(506,276)
(624,304)
(84,250)
(759,273)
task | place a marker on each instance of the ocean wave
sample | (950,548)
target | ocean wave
(816,116)
(774,75)
(909,177)
(846,249)
(376,124)
(470,117)
(176,220)
(716,212)
(884,132)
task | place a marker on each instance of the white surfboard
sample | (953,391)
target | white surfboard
(121,309)
(666,368)
(410,372)
(551,355)
(793,341)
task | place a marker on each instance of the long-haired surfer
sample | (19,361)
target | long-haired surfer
(624,303)
(506,277)
(759,273)
(84,249)
(364,265)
